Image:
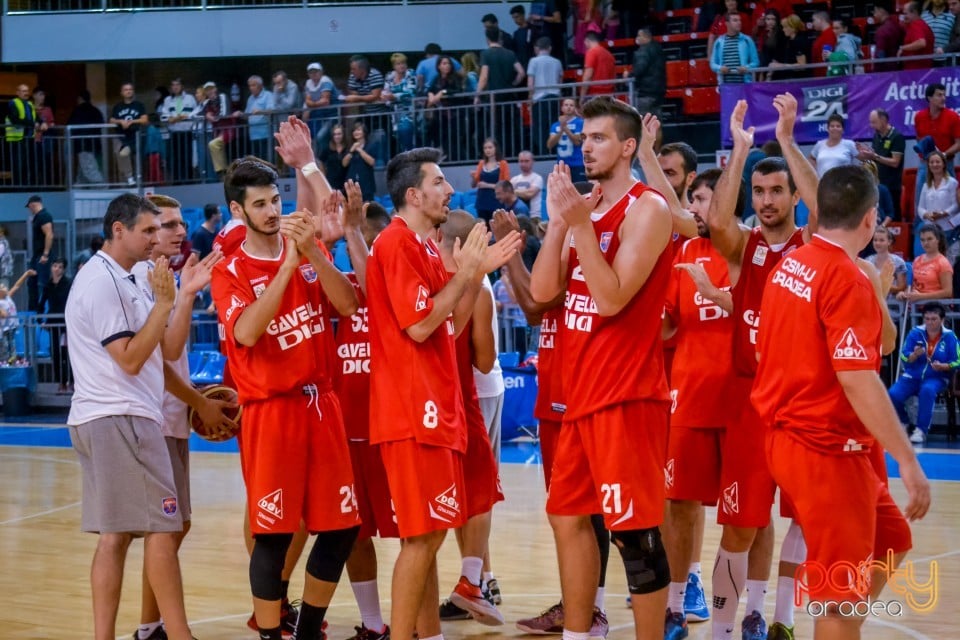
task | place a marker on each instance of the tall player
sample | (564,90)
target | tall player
(362,223)
(548,410)
(610,257)
(828,409)
(414,311)
(747,487)
(271,297)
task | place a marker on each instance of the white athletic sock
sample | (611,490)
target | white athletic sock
(695,569)
(471,567)
(729,579)
(488,576)
(756,590)
(598,599)
(146,629)
(368,600)
(784,611)
(675,596)
(575,635)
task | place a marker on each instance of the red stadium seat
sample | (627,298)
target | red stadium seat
(908,194)
(701,101)
(677,74)
(700,74)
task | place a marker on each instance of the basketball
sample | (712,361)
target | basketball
(217,433)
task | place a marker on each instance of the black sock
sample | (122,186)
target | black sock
(310,622)
(284,586)
(271,634)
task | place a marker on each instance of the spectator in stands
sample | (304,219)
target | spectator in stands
(490,171)
(918,38)
(566,135)
(719,25)
(835,151)
(773,45)
(953,45)
(760,26)
(8,318)
(598,64)
(734,54)
(888,36)
(360,159)
(587,18)
(930,354)
(6,258)
(544,77)
(86,141)
(53,301)
(503,38)
(446,125)
(177,111)
(18,134)
(216,111)
(938,196)
(508,200)
(523,37)
(941,124)
(796,49)
(847,50)
(932,273)
(201,241)
(940,21)
(649,73)
(886,150)
(883,239)
(470,70)
(128,114)
(286,94)
(825,43)
(427,68)
(500,70)
(528,184)
(332,157)
(365,88)
(319,103)
(399,89)
(43,148)
(550,17)
(257,112)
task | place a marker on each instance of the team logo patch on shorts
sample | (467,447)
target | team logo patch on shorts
(731,498)
(668,472)
(271,505)
(445,507)
(308,272)
(169,506)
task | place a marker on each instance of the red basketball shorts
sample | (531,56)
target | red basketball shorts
(549,434)
(372,491)
(480,475)
(692,470)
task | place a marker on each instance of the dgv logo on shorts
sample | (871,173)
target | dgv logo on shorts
(445,506)
(169,506)
(731,498)
(271,507)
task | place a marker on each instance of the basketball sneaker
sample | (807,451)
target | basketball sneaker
(600,626)
(780,631)
(675,626)
(754,627)
(548,622)
(476,602)
(695,600)
(918,437)
(494,588)
(450,611)
(157,634)
(289,613)
(362,633)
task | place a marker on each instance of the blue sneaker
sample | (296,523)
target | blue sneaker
(675,626)
(754,627)
(695,600)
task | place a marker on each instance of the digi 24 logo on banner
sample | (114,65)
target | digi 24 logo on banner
(821,102)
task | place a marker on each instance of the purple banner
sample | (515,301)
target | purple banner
(853,97)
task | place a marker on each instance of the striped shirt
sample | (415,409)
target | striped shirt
(365,87)
(731,60)
(941,25)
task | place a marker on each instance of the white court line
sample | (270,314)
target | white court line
(41,514)
(27,456)
(916,635)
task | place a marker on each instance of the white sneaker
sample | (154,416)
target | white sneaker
(918,437)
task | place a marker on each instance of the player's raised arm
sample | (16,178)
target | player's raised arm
(725,232)
(645,233)
(803,173)
(683,221)
(357,247)
(549,277)
(294,145)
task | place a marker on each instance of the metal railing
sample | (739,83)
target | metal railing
(19,7)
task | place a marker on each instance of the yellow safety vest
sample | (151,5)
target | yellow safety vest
(14,133)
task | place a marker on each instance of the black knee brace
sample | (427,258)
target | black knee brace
(644,559)
(266,564)
(330,552)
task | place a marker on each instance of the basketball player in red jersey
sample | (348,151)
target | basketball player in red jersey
(609,254)
(817,386)
(362,223)
(271,297)
(475,348)
(548,410)
(747,490)
(414,312)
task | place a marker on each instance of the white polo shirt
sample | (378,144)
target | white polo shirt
(534,180)
(106,304)
(174,409)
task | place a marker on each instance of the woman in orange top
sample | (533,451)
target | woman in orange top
(932,273)
(491,170)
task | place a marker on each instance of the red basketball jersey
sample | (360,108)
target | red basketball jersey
(295,349)
(230,237)
(611,360)
(352,382)
(759,259)
(550,403)
(411,395)
(820,317)
(702,362)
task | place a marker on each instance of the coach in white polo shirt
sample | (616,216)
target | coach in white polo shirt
(128,489)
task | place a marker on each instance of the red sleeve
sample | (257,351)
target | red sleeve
(671,306)
(407,287)
(954,124)
(590,59)
(230,296)
(478,171)
(504,170)
(944,265)
(852,335)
